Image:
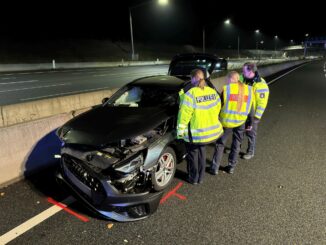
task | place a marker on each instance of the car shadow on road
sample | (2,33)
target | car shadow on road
(41,167)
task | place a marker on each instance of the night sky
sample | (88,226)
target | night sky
(180,22)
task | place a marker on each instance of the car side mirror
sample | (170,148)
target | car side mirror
(104,100)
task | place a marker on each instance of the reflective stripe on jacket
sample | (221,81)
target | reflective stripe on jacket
(261,92)
(198,115)
(235,110)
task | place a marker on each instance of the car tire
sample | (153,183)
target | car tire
(163,174)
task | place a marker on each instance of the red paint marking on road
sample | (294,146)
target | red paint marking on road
(182,197)
(68,210)
(173,193)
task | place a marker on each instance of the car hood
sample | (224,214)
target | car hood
(104,125)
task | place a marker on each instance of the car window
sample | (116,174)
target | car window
(146,97)
(184,67)
(130,97)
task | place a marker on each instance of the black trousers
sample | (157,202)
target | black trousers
(196,162)
(252,135)
(238,134)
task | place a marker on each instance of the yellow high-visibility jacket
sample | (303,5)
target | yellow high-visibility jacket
(198,120)
(233,114)
(261,92)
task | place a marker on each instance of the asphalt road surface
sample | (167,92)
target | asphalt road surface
(17,87)
(278,197)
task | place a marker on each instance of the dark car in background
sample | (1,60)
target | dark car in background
(183,64)
(118,157)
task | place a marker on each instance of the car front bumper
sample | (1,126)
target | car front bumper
(110,203)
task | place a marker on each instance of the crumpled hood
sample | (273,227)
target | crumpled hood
(104,125)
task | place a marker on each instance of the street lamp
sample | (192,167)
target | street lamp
(160,2)
(163,2)
(275,38)
(228,22)
(257,32)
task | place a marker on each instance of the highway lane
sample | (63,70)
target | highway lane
(17,87)
(278,197)
(27,86)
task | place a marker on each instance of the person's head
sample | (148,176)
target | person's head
(196,75)
(233,77)
(249,70)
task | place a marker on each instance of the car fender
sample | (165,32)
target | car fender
(155,150)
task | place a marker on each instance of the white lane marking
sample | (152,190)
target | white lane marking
(20,89)
(29,224)
(27,81)
(275,79)
(7,78)
(128,73)
(73,92)
(101,75)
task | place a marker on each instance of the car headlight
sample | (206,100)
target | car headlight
(131,164)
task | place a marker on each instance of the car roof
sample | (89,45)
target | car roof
(195,56)
(164,81)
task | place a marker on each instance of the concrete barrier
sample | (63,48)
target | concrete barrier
(264,71)
(29,146)
(21,151)
(25,112)
(233,64)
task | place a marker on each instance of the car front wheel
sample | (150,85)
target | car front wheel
(165,170)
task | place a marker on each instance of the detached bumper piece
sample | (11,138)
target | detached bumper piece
(102,197)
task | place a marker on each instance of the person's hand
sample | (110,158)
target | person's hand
(180,134)
(248,128)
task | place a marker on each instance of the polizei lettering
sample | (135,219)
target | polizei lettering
(204,98)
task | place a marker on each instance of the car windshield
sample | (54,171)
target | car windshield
(136,96)
(184,67)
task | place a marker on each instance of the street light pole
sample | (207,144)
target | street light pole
(257,33)
(238,47)
(160,2)
(132,36)
(203,39)
(276,37)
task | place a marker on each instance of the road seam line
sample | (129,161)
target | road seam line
(34,221)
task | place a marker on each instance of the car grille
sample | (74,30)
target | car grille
(138,211)
(76,167)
